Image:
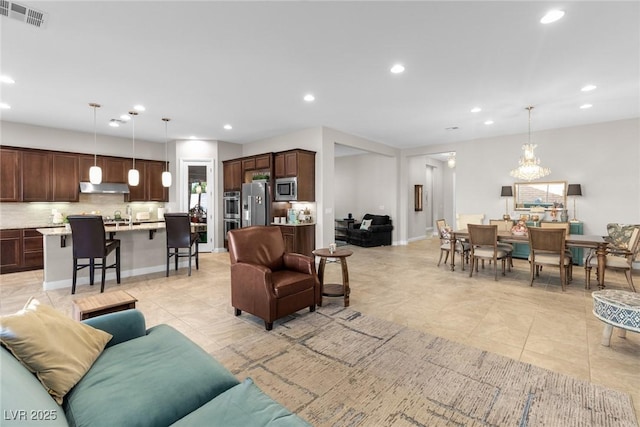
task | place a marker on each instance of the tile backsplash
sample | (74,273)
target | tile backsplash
(38,214)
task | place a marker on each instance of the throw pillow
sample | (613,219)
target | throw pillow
(366,223)
(58,349)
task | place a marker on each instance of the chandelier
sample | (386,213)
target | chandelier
(529,165)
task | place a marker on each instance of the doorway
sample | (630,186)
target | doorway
(196,198)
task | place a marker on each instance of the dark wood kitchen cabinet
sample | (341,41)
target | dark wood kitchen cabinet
(232,175)
(65,177)
(301,164)
(10,169)
(36,187)
(10,250)
(20,250)
(150,188)
(56,180)
(299,239)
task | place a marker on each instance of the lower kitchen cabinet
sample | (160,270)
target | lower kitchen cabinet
(300,239)
(20,250)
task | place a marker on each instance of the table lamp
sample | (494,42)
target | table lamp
(574,190)
(507,191)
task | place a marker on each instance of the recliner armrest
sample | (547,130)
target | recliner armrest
(123,325)
(253,275)
(298,262)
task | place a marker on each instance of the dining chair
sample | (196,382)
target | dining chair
(444,232)
(547,247)
(623,249)
(90,242)
(483,240)
(565,226)
(504,225)
(180,236)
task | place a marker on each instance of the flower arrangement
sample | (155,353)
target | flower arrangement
(520,229)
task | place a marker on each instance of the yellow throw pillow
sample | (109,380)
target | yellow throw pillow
(58,349)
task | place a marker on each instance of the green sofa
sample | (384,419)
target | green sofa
(155,377)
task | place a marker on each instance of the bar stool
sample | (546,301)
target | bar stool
(89,242)
(179,236)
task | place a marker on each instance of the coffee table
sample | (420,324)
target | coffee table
(334,289)
(96,305)
(617,308)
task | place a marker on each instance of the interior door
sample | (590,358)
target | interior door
(197,198)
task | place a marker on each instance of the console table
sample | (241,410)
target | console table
(341,227)
(521,250)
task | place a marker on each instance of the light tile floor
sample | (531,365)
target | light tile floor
(540,325)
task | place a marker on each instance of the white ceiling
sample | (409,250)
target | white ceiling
(205,64)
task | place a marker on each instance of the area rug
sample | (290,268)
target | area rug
(337,367)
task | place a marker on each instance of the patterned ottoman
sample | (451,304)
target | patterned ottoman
(617,308)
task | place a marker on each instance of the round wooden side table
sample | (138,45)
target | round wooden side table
(334,289)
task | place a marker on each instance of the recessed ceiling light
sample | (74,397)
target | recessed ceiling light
(193,137)
(7,80)
(228,127)
(125,117)
(309,97)
(588,88)
(397,69)
(5,106)
(114,123)
(452,128)
(585,106)
(476,109)
(488,122)
(552,16)
(139,107)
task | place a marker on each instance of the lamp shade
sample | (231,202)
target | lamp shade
(166,179)
(574,190)
(95,174)
(507,191)
(133,177)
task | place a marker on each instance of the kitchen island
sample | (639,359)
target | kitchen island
(142,251)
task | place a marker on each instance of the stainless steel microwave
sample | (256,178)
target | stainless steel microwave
(286,189)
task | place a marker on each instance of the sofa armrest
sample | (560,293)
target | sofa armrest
(123,325)
(300,263)
(380,228)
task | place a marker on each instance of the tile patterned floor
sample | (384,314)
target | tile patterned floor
(540,325)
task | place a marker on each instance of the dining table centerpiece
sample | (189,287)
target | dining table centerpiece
(520,229)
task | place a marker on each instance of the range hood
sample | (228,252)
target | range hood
(104,188)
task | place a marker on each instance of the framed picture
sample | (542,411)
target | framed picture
(417,197)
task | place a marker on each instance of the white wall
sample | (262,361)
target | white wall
(602,157)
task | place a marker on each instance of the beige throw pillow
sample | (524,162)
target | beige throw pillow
(58,349)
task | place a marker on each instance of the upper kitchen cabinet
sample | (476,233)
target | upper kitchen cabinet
(10,167)
(36,176)
(232,175)
(156,192)
(150,188)
(260,164)
(115,169)
(65,177)
(300,164)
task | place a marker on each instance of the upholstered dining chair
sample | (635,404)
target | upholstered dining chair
(266,281)
(566,226)
(181,241)
(504,225)
(90,242)
(624,248)
(484,246)
(444,233)
(547,247)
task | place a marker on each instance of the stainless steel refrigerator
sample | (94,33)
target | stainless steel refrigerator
(256,204)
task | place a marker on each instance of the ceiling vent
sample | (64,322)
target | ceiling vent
(22,13)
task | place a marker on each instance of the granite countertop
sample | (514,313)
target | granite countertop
(63,231)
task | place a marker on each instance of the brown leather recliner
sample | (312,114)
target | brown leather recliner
(266,281)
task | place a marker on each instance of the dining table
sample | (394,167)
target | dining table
(597,243)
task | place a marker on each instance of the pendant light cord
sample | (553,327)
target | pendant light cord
(133,127)
(95,134)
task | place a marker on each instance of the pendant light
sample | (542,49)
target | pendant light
(166,175)
(95,172)
(134,175)
(529,165)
